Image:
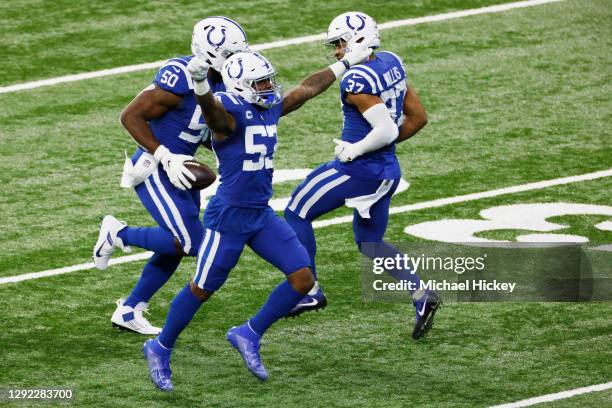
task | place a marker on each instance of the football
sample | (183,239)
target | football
(205,176)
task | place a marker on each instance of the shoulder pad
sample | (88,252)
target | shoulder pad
(391,56)
(361,79)
(174,77)
(230,101)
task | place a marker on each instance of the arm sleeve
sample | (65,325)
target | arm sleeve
(384,130)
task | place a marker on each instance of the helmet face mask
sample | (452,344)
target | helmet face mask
(215,39)
(333,40)
(267,91)
(250,75)
(337,48)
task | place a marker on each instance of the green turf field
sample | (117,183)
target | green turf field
(513,97)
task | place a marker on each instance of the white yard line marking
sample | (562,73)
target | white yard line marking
(477,196)
(555,397)
(74,268)
(278,44)
(346,219)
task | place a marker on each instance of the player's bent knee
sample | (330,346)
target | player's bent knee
(295,217)
(178,246)
(302,280)
(192,252)
(289,215)
(200,293)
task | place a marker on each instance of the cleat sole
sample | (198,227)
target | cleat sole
(129,330)
(319,307)
(426,327)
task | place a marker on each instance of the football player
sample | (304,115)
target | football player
(244,122)
(380,109)
(166,122)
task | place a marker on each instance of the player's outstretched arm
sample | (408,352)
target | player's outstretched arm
(318,82)
(310,87)
(151,103)
(218,119)
(415,117)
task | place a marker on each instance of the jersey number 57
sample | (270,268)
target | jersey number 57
(259,148)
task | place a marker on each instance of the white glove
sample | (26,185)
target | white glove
(357,54)
(198,68)
(196,50)
(174,167)
(345,151)
(134,174)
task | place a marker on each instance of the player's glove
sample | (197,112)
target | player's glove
(198,68)
(356,55)
(345,151)
(178,174)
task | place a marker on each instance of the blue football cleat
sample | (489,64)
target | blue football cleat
(246,341)
(158,359)
(314,300)
(426,306)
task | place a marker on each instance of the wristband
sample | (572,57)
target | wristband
(201,87)
(339,68)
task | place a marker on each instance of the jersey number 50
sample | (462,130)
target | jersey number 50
(169,78)
(253,148)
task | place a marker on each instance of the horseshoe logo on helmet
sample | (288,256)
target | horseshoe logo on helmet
(229,69)
(362,21)
(209,39)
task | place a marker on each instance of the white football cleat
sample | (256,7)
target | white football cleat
(108,241)
(128,318)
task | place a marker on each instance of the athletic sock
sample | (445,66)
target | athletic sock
(154,275)
(154,239)
(183,308)
(280,302)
